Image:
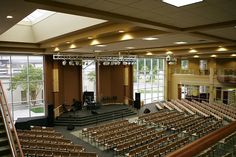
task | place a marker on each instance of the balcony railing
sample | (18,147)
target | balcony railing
(191,71)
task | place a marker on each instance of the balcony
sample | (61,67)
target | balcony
(227,76)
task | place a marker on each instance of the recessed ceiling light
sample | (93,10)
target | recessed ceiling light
(56,49)
(90,37)
(9,17)
(127,37)
(150,38)
(68,42)
(213,56)
(130,47)
(149,53)
(180,42)
(233,55)
(95,42)
(169,52)
(101,45)
(121,31)
(192,51)
(97,50)
(221,49)
(72,46)
(180,3)
(195,56)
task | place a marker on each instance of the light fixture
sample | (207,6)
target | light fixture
(9,17)
(150,38)
(195,56)
(169,52)
(71,63)
(180,3)
(100,45)
(126,37)
(72,46)
(149,53)
(221,49)
(97,50)
(90,37)
(68,42)
(95,42)
(121,31)
(213,56)
(130,47)
(192,51)
(64,62)
(56,49)
(105,60)
(233,55)
(180,42)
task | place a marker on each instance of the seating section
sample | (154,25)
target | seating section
(136,139)
(45,141)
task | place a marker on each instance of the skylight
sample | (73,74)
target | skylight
(37,16)
(180,3)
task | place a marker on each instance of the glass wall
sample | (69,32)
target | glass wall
(23,82)
(149,79)
(89,76)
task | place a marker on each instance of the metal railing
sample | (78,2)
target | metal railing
(12,136)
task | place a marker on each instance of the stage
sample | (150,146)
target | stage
(102,113)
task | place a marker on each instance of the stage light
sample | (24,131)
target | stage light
(64,62)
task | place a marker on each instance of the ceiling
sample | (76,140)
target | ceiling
(205,25)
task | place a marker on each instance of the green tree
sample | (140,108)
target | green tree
(20,79)
(92,76)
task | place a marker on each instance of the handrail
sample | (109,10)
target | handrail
(205,142)
(9,125)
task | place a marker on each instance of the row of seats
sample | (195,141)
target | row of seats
(223,110)
(101,128)
(46,142)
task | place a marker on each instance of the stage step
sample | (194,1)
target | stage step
(93,119)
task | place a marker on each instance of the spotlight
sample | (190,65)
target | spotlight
(124,63)
(64,62)
(71,63)
(77,63)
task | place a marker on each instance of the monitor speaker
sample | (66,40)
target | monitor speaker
(137,104)
(146,111)
(137,96)
(70,127)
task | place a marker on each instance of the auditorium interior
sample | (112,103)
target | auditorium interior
(109,78)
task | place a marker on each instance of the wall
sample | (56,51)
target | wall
(112,82)
(69,82)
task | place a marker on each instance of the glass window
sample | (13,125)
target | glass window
(203,64)
(22,78)
(184,64)
(89,76)
(149,79)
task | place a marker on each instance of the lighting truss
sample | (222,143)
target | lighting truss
(106,60)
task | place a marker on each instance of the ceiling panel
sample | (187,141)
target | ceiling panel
(228,33)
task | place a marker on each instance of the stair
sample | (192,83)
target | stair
(93,119)
(4,144)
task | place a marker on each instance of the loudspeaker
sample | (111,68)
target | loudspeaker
(137,104)
(50,118)
(70,127)
(146,111)
(137,96)
(94,112)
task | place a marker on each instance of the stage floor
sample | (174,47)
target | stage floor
(102,109)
